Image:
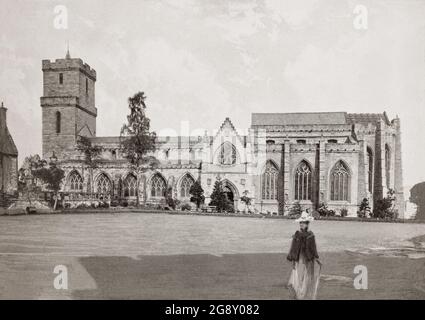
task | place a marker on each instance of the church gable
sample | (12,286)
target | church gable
(85,131)
(228,146)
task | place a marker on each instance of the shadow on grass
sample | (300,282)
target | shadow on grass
(247,276)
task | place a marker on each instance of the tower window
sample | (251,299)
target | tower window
(58,122)
(87,86)
(370,169)
(301,141)
(60,78)
(387,166)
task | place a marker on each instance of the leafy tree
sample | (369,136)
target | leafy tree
(384,208)
(52,177)
(218,197)
(417,196)
(197,194)
(27,183)
(91,156)
(136,139)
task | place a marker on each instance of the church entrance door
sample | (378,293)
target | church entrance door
(229,193)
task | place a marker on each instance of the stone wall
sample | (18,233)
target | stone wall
(8,174)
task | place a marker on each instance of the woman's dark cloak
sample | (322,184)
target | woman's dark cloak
(303,241)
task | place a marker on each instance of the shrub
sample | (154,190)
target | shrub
(230,208)
(114,203)
(185,207)
(324,211)
(344,212)
(295,209)
(170,202)
(364,209)
(103,204)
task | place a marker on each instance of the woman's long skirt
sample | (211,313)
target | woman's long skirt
(304,279)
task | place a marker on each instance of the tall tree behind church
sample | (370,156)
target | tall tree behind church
(417,196)
(137,141)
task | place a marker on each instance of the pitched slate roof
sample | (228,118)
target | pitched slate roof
(318,118)
(7,145)
(367,117)
(297,118)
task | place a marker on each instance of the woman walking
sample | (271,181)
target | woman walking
(305,275)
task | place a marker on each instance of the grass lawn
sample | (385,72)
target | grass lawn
(150,256)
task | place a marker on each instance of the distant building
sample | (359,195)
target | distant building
(8,161)
(335,158)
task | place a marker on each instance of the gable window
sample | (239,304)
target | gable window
(332,141)
(227,154)
(60,78)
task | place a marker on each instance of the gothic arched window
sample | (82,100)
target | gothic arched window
(387,165)
(158,186)
(269,182)
(303,182)
(130,186)
(370,169)
(75,182)
(58,122)
(103,184)
(227,155)
(340,182)
(185,185)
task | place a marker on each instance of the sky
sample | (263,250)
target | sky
(199,62)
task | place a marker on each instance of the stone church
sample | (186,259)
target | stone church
(8,161)
(336,158)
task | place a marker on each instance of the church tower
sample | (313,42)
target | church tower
(68,105)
